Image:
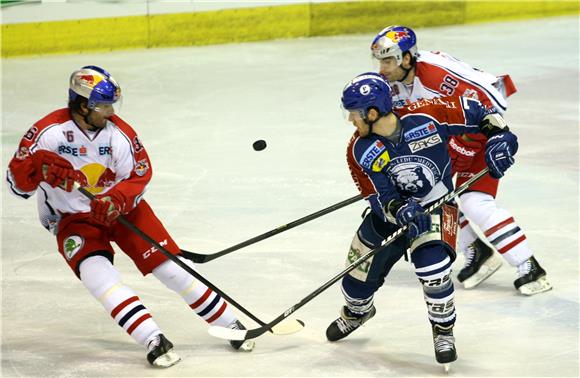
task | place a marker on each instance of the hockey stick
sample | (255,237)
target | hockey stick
(231,334)
(201,258)
(284,329)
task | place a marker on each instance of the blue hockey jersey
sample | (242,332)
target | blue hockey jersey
(418,164)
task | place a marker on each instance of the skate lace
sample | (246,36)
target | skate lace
(153,343)
(524,268)
(347,325)
(469,255)
(444,342)
(234,325)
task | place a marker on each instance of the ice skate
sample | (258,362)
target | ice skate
(480,263)
(160,352)
(242,345)
(347,323)
(444,344)
(532,278)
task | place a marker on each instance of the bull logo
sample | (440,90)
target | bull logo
(95,178)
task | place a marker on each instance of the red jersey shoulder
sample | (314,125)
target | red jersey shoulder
(126,129)
(436,78)
(57,117)
(443,109)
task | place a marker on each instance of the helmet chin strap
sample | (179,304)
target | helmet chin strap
(371,123)
(407,70)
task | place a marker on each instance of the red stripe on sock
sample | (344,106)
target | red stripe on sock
(137,322)
(512,244)
(123,304)
(464,223)
(498,226)
(218,313)
(197,303)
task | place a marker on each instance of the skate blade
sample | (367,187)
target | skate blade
(488,268)
(168,359)
(447,367)
(538,286)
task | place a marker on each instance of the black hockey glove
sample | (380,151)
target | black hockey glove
(499,153)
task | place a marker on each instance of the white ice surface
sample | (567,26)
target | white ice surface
(198,110)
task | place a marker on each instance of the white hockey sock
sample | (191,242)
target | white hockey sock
(498,226)
(103,281)
(204,301)
(466,233)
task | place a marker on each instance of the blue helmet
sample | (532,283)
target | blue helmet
(95,84)
(367,90)
(394,41)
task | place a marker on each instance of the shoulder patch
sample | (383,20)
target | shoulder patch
(381,162)
(371,153)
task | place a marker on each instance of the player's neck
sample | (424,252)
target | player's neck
(410,77)
(80,121)
(387,126)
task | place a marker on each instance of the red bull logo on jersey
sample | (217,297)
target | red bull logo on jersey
(95,178)
(420,132)
(142,167)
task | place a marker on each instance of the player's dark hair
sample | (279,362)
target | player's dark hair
(75,105)
(413,58)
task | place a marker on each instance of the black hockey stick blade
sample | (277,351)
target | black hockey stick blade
(233,334)
(200,258)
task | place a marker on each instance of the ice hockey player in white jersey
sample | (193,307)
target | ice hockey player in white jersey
(88,143)
(415,75)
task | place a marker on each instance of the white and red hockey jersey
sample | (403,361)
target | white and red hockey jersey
(112,158)
(438,74)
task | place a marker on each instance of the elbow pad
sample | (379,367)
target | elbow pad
(493,124)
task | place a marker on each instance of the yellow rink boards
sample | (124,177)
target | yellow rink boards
(261,23)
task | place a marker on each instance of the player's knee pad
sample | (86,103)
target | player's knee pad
(98,275)
(433,267)
(173,276)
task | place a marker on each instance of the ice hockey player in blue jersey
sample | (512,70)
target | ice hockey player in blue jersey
(399,162)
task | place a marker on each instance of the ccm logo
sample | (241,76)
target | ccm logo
(425,143)
(152,250)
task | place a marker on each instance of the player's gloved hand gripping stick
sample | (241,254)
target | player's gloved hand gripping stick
(284,329)
(236,334)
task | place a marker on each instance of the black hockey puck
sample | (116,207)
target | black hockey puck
(259,145)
